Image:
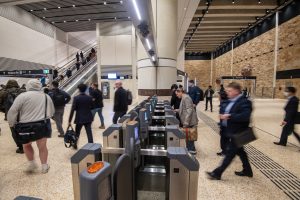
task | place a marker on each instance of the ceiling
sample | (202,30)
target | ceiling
(217,21)
(78,15)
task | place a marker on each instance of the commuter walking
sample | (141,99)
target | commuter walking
(7,98)
(77,57)
(222,93)
(35,108)
(195,93)
(97,96)
(43,81)
(77,65)
(120,102)
(60,98)
(291,110)
(235,116)
(82,104)
(209,96)
(55,74)
(188,118)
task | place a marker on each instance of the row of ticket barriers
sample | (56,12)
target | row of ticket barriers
(142,157)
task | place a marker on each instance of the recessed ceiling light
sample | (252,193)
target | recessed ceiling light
(31,10)
(104,3)
(207,11)
(121,2)
(128,17)
(184,8)
(259,2)
(115,18)
(89,19)
(44,17)
(76,20)
(45,8)
(58,7)
(233,2)
(52,22)
(65,21)
(74,6)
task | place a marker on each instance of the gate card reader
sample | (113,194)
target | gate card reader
(88,154)
(144,123)
(96,183)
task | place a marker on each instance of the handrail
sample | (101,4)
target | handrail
(74,59)
(78,72)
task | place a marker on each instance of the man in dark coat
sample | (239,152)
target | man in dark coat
(82,104)
(97,96)
(291,110)
(209,96)
(235,116)
(120,102)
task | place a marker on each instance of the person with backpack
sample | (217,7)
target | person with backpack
(7,98)
(69,73)
(120,101)
(60,98)
(97,96)
(195,93)
(209,93)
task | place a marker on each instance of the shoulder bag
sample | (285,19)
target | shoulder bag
(244,137)
(32,131)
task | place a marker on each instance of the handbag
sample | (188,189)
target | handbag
(32,131)
(297,118)
(191,133)
(70,137)
(244,137)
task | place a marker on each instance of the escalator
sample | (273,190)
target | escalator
(83,75)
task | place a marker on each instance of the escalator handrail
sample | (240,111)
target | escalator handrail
(78,72)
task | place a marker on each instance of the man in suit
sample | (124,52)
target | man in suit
(235,116)
(291,110)
(82,104)
(209,96)
(120,102)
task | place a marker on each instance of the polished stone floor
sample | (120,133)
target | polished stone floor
(57,183)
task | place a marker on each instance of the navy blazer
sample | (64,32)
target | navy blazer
(291,110)
(240,115)
(82,104)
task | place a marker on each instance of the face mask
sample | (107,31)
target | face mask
(286,94)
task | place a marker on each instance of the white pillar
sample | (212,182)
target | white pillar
(133,61)
(55,49)
(275,54)
(98,53)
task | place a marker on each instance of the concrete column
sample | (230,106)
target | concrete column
(158,79)
(98,40)
(55,49)
(275,55)
(133,61)
(68,47)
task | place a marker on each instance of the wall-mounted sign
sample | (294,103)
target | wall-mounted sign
(239,77)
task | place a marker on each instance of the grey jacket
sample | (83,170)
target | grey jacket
(187,112)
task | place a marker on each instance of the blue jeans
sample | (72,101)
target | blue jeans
(99,111)
(190,145)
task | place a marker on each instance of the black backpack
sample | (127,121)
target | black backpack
(129,97)
(58,98)
(11,96)
(70,137)
(200,95)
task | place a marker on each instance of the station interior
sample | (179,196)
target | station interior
(148,46)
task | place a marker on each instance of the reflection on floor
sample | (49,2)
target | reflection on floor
(57,184)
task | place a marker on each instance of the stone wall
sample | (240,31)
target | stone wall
(199,69)
(259,54)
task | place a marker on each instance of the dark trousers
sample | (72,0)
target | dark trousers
(58,118)
(223,140)
(99,111)
(209,99)
(14,135)
(88,129)
(118,115)
(286,131)
(231,152)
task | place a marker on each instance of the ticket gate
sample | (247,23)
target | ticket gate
(87,155)
(126,180)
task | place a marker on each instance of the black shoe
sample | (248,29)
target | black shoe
(205,109)
(221,153)
(243,173)
(61,135)
(278,143)
(75,146)
(212,176)
(20,151)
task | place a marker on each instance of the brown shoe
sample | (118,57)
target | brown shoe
(102,127)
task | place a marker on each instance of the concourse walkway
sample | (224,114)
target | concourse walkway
(275,168)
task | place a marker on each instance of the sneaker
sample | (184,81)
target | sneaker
(102,127)
(61,135)
(20,151)
(31,167)
(193,152)
(45,168)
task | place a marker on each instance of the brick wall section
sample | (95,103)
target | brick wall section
(259,53)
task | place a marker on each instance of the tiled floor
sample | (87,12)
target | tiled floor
(57,184)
